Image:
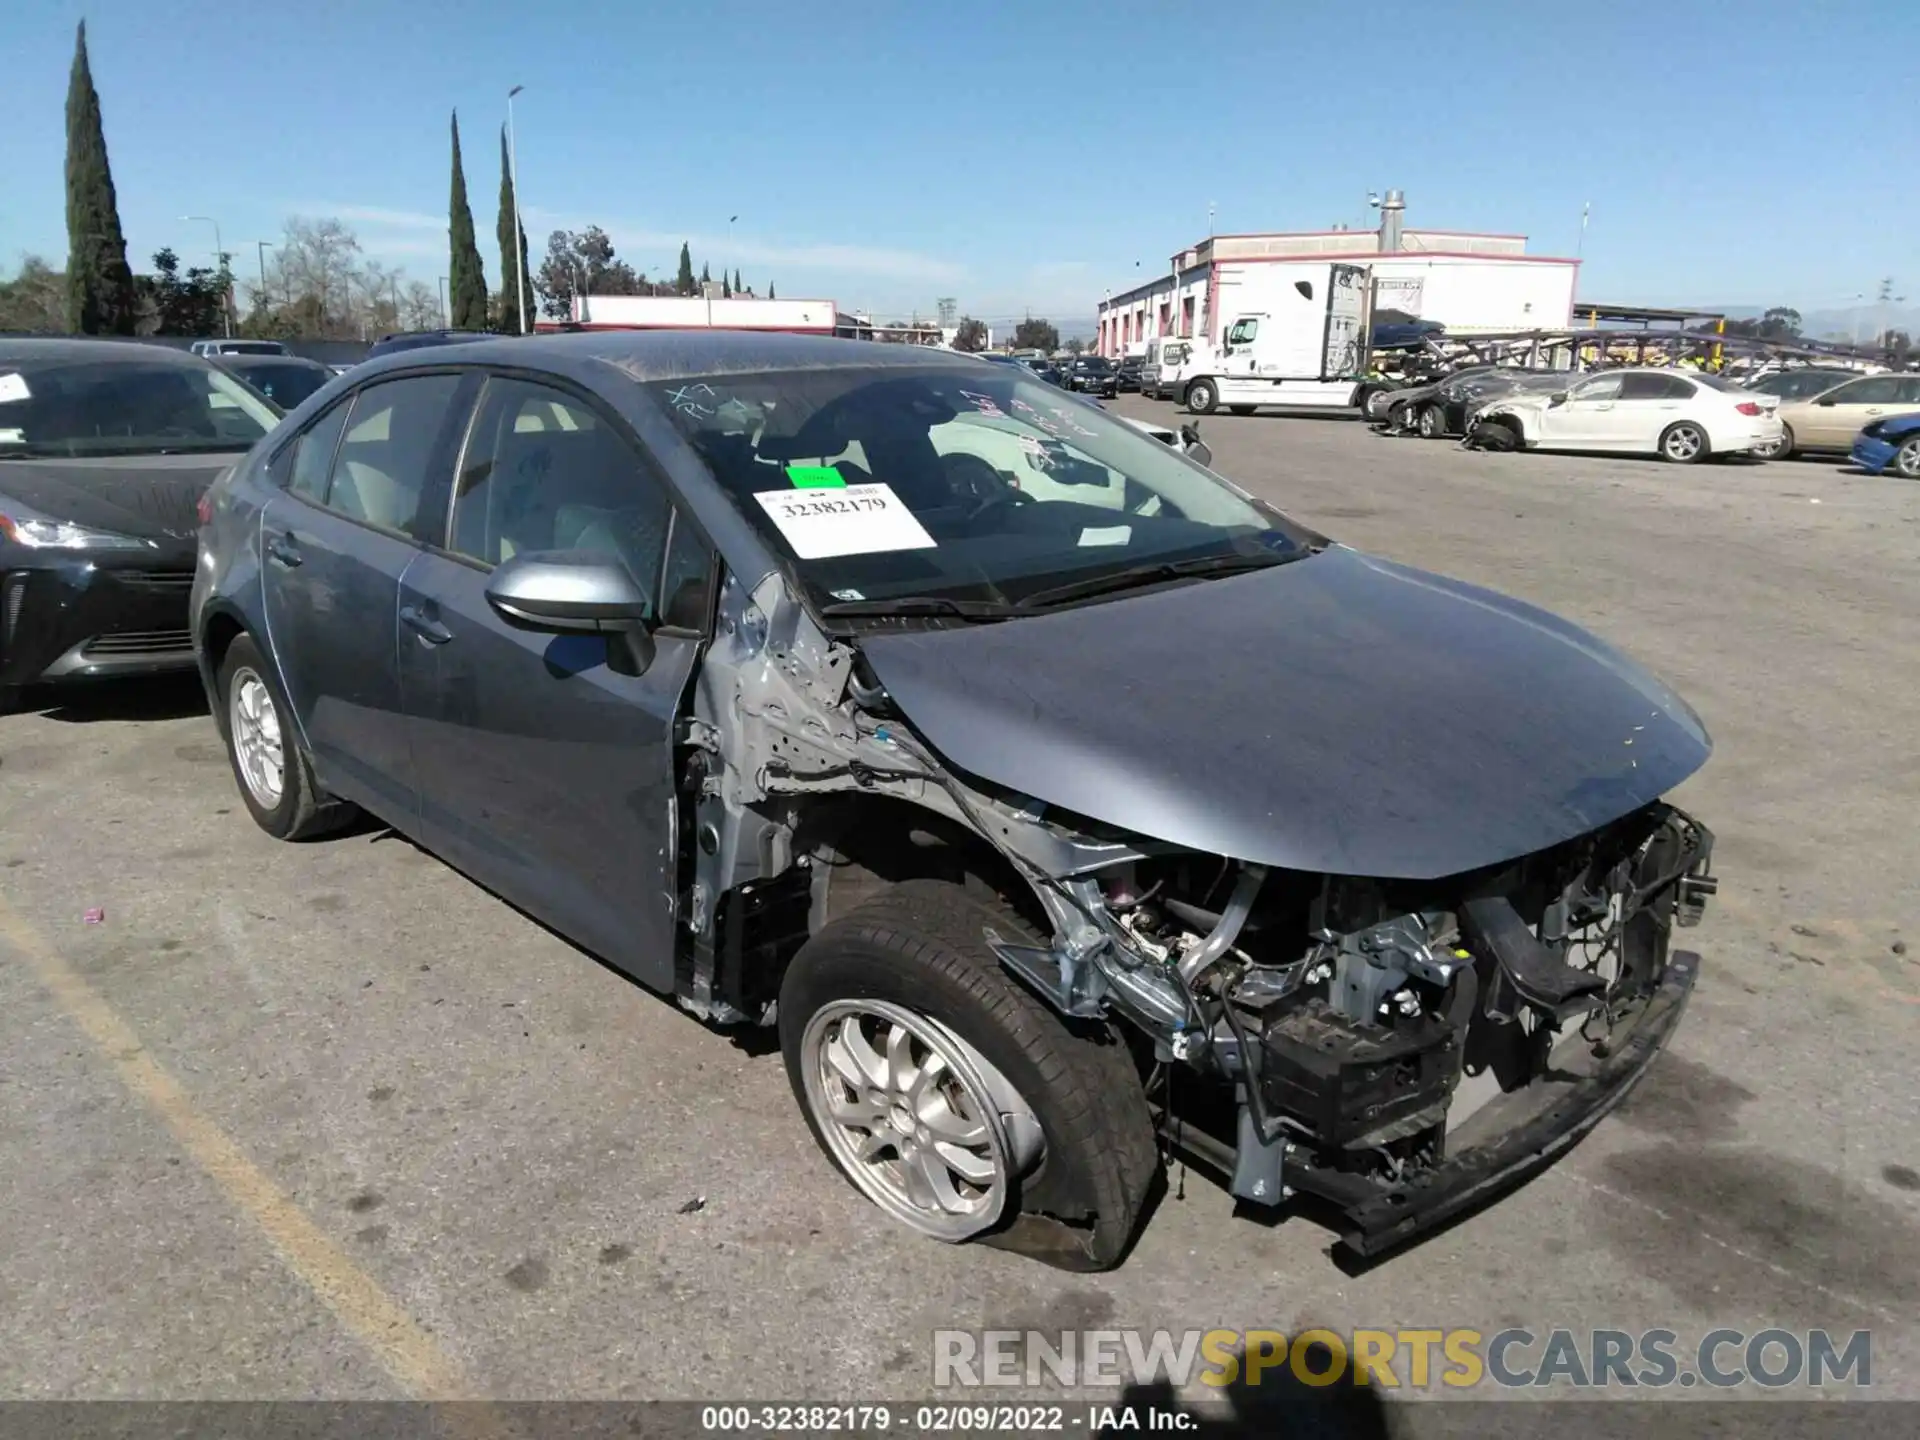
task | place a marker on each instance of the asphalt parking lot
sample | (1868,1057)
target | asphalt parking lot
(329,1120)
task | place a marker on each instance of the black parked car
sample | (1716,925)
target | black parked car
(105,450)
(1126,374)
(286,380)
(1004,764)
(1092,375)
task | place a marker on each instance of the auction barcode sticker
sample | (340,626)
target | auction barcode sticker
(856,520)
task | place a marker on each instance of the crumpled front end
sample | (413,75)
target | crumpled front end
(1401,1051)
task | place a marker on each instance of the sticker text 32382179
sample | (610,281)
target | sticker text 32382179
(855,520)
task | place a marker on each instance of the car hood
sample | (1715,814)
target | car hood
(154,497)
(1897,425)
(1337,714)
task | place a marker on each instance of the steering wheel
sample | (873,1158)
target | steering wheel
(970,475)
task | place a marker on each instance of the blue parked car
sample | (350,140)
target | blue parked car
(1890,444)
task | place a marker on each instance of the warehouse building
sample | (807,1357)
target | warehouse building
(1466,282)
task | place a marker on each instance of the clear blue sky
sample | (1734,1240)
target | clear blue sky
(1014,154)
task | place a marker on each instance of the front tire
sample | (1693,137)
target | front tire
(1202,397)
(1906,460)
(950,1096)
(1684,443)
(1433,423)
(274,778)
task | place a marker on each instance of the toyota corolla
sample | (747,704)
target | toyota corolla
(1047,793)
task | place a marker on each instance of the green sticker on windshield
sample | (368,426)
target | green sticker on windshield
(815,477)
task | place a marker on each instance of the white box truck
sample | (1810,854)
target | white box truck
(1296,337)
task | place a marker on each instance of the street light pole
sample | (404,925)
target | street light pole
(513,175)
(444,318)
(263,246)
(226,277)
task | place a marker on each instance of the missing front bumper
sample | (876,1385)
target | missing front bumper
(1510,1138)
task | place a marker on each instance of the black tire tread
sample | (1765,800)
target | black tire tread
(313,815)
(934,926)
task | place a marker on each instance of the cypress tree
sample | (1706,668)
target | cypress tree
(466,279)
(505,231)
(683,282)
(726,286)
(770,294)
(100,293)
(736,281)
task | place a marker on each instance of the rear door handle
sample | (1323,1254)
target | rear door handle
(431,631)
(282,551)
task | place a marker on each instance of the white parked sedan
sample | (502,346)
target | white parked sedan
(1679,415)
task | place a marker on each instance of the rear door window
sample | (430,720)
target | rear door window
(1655,387)
(392,432)
(1876,390)
(309,461)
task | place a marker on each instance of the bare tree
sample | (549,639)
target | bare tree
(316,267)
(35,300)
(419,306)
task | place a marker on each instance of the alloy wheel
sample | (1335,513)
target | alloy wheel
(1907,459)
(1683,443)
(253,722)
(920,1120)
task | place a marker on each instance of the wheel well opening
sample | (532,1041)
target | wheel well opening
(221,631)
(865,844)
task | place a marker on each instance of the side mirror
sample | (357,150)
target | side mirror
(1195,449)
(1558,398)
(1826,402)
(576,592)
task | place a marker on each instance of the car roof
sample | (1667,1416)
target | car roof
(16,349)
(649,355)
(265,359)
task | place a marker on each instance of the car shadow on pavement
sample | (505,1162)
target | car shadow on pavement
(1278,1401)
(753,1041)
(157,697)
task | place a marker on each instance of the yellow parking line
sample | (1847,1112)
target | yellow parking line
(409,1354)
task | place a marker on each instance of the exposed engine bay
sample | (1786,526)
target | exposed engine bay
(1300,1033)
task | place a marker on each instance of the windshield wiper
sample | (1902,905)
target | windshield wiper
(921,605)
(1134,576)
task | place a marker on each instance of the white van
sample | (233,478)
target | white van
(1160,365)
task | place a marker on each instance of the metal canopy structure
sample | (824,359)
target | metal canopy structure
(1594,348)
(1596,314)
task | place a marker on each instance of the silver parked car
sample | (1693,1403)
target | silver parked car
(1002,757)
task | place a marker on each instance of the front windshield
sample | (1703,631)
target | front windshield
(957,484)
(88,407)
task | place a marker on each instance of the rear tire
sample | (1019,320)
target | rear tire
(1433,423)
(1239,409)
(912,963)
(263,747)
(1202,398)
(1782,451)
(1684,443)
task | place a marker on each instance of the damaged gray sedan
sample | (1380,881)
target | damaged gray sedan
(1056,800)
